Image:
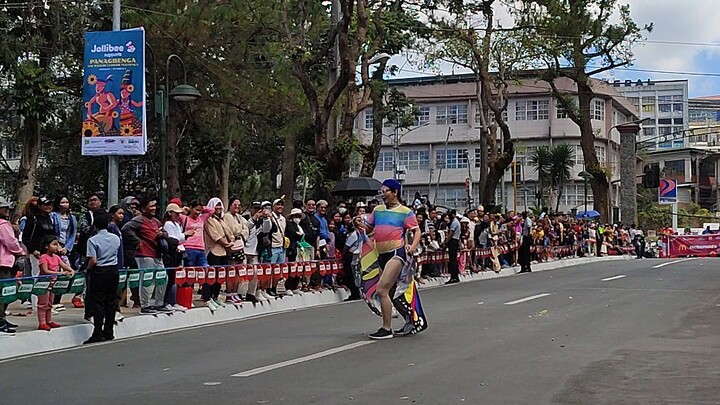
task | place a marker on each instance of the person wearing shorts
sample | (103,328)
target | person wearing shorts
(390,222)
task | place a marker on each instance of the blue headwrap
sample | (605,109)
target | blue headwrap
(392,184)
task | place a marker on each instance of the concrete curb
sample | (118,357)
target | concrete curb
(33,342)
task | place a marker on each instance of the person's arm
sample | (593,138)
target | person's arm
(66,269)
(7,238)
(72,237)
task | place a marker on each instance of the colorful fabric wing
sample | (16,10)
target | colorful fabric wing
(407,301)
(405,297)
(370,274)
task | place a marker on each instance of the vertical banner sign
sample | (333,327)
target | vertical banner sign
(114,93)
(667,192)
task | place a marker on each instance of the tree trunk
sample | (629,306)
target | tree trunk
(172,174)
(370,153)
(287,183)
(225,173)
(31,143)
(599,182)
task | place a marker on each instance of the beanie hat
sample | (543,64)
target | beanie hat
(392,184)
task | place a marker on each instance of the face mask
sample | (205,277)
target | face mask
(296,220)
(342,210)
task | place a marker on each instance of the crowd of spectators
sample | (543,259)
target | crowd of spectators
(50,239)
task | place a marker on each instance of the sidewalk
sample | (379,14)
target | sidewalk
(75,330)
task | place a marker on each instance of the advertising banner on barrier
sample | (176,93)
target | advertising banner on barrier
(694,245)
(114,93)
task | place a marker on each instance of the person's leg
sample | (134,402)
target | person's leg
(453,245)
(145,293)
(110,287)
(159,290)
(34,271)
(388,278)
(43,301)
(5,273)
(171,289)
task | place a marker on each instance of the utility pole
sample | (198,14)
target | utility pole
(113,196)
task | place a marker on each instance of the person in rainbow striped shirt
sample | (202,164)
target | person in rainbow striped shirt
(390,221)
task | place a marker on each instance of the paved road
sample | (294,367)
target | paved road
(652,336)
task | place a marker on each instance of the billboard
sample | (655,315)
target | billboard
(693,245)
(114,93)
(667,192)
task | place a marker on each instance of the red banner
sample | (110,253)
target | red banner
(694,245)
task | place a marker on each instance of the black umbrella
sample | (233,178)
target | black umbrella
(357,187)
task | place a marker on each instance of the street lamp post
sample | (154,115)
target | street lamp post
(396,137)
(585,175)
(183,92)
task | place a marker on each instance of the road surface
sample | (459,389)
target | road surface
(621,332)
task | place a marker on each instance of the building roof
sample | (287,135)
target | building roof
(463,86)
(709,98)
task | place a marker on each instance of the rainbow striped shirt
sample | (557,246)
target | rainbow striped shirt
(390,226)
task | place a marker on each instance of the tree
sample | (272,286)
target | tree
(578,39)
(494,57)
(562,161)
(542,160)
(553,166)
(40,60)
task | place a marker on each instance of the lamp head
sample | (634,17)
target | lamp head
(184,92)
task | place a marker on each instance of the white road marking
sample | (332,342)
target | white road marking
(614,278)
(286,363)
(673,262)
(534,297)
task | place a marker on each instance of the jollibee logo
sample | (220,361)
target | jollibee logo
(130,47)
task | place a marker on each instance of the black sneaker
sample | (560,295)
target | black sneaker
(10,325)
(148,311)
(452,281)
(94,339)
(162,309)
(381,334)
(404,331)
(6,329)
(251,298)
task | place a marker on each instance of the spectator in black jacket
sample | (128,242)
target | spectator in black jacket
(38,226)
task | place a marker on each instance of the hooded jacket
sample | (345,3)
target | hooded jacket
(143,230)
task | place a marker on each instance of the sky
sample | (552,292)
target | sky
(684,44)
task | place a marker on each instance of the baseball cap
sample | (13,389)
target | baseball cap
(278,201)
(44,201)
(266,203)
(360,204)
(256,204)
(5,204)
(172,207)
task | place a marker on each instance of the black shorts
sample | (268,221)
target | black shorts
(384,258)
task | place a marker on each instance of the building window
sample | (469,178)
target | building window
(675,168)
(579,157)
(678,107)
(561,112)
(598,110)
(385,162)
(648,132)
(532,110)
(451,159)
(648,104)
(574,195)
(368,118)
(491,115)
(423,115)
(452,198)
(415,159)
(11,151)
(600,152)
(451,114)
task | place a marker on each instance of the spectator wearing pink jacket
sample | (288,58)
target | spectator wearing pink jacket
(193,226)
(9,249)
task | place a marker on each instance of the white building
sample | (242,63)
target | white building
(448,105)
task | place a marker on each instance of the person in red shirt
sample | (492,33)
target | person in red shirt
(147,230)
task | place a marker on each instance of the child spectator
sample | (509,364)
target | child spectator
(50,263)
